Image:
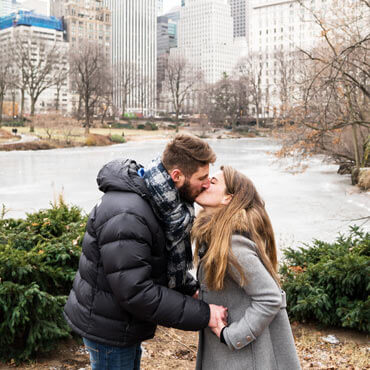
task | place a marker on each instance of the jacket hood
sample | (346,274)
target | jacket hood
(121,175)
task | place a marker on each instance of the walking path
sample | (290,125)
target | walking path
(23,139)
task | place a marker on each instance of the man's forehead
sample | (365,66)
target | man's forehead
(202,171)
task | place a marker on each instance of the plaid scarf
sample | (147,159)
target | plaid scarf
(177,218)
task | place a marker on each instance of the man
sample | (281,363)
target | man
(136,253)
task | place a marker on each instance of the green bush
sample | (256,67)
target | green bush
(117,138)
(140,126)
(150,126)
(330,282)
(38,260)
(122,125)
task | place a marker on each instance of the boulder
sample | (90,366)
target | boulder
(364,178)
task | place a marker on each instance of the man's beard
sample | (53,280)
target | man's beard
(186,193)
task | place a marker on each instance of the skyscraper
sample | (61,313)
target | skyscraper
(6,7)
(166,39)
(37,6)
(159,7)
(239,12)
(134,43)
(205,37)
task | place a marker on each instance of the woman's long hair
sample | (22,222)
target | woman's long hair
(244,214)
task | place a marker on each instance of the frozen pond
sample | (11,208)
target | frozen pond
(318,203)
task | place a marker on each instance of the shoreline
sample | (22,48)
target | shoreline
(130,135)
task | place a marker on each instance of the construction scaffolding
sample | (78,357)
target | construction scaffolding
(28,18)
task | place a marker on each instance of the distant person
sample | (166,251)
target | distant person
(136,253)
(237,268)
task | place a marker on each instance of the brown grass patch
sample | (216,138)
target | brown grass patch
(97,140)
(32,145)
(176,349)
(5,134)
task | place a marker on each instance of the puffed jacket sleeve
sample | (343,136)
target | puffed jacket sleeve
(126,260)
(191,285)
(263,291)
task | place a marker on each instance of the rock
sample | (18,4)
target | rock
(354,175)
(364,178)
(332,339)
(345,169)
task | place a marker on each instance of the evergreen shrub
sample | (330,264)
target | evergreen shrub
(151,126)
(122,125)
(38,260)
(117,138)
(330,282)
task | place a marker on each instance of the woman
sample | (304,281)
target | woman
(237,268)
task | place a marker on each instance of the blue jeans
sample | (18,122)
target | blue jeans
(105,357)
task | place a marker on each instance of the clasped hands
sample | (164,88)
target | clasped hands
(218,318)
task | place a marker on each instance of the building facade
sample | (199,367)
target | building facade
(134,44)
(239,12)
(85,20)
(166,40)
(205,37)
(278,29)
(37,38)
(159,7)
(6,7)
(36,6)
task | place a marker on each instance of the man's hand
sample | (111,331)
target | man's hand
(218,316)
(196,294)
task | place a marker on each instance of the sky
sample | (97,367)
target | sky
(169,4)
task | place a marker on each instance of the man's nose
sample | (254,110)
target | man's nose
(206,183)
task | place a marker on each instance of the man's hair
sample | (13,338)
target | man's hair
(187,153)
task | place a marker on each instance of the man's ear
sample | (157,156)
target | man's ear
(227,199)
(177,177)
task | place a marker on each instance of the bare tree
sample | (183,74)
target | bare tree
(285,63)
(181,82)
(5,82)
(38,62)
(250,69)
(61,79)
(228,100)
(89,72)
(125,76)
(334,84)
(106,98)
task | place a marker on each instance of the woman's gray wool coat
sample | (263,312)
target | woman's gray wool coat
(259,335)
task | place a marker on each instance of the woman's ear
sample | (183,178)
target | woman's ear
(177,177)
(226,199)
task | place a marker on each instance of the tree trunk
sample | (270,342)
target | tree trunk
(13,105)
(355,146)
(104,115)
(33,102)
(123,107)
(1,108)
(32,126)
(87,119)
(57,100)
(22,103)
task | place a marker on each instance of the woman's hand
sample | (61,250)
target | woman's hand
(217,329)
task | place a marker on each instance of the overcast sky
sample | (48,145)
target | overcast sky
(169,4)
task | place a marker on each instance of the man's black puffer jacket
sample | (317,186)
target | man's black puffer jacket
(120,290)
